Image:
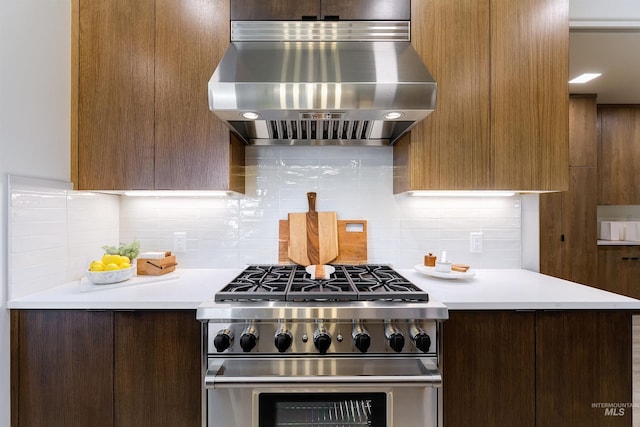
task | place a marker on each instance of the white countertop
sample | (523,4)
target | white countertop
(513,289)
(491,289)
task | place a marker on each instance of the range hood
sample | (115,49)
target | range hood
(321,83)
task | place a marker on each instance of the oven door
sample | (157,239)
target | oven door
(327,392)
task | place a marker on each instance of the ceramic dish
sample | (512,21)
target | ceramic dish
(109,277)
(431,271)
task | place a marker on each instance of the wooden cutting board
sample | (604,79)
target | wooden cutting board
(313,236)
(352,242)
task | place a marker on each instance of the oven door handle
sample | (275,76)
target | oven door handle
(216,377)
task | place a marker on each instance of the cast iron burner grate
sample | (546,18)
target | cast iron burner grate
(347,283)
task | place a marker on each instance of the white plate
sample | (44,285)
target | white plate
(431,271)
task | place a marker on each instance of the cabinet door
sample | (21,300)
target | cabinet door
(583,131)
(619,151)
(115,95)
(529,94)
(568,229)
(61,368)
(619,269)
(281,10)
(449,150)
(372,10)
(157,369)
(193,148)
(582,358)
(488,369)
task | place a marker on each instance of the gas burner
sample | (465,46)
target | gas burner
(347,283)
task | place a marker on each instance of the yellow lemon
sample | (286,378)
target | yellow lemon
(111,259)
(124,260)
(124,265)
(111,266)
(96,266)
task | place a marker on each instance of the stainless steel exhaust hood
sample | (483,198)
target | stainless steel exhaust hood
(321,83)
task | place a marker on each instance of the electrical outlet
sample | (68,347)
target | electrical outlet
(180,241)
(475,242)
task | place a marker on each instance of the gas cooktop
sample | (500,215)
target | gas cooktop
(371,282)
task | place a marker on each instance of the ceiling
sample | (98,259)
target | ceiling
(615,54)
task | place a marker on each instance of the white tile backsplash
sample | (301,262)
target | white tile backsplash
(53,232)
(356,182)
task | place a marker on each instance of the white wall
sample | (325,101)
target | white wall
(35,75)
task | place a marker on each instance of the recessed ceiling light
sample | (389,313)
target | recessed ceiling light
(586,77)
(250,115)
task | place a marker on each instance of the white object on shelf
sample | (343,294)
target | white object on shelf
(612,230)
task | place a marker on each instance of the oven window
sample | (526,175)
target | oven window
(323,409)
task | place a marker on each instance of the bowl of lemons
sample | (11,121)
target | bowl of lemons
(110,269)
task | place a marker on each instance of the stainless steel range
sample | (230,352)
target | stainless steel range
(359,348)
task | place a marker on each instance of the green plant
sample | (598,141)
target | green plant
(131,250)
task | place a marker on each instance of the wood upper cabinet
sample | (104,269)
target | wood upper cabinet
(568,219)
(142,117)
(115,95)
(501,117)
(285,10)
(619,155)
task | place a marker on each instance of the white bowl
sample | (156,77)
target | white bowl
(111,276)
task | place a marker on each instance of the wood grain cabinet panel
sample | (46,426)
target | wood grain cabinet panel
(192,147)
(75,368)
(488,369)
(61,368)
(142,101)
(536,368)
(115,94)
(501,119)
(157,369)
(619,269)
(582,358)
(568,220)
(583,131)
(619,155)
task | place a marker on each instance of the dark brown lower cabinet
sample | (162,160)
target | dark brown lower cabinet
(618,269)
(157,365)
(543,369)
(61,368)
(488,362)
(105,368)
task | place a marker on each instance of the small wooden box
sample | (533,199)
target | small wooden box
(156,267)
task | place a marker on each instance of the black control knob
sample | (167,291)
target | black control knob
(394,337)
(396,342)
(422,342)
(419,336)
(322,342)
(362,341)
(248,341)
(321,337)
(283,341)
(249,338)
(223,340)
